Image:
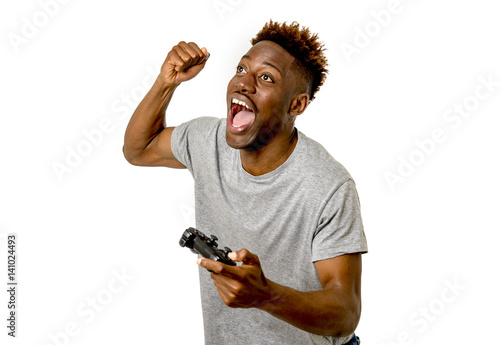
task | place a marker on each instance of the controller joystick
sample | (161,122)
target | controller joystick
(201,244)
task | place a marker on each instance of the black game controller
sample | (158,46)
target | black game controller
(199,243)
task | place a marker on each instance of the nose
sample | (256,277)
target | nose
(246,83)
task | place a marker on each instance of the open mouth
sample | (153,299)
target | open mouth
(242,114)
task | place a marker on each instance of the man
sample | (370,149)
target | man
(264,186)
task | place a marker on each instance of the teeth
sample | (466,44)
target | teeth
(241,103)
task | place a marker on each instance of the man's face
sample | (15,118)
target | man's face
(259,97)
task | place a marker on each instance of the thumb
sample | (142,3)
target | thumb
(244,256)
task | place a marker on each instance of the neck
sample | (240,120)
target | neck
(264,160)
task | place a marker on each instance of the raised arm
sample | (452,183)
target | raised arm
(147,140)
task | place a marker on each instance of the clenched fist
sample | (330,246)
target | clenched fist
(183,62)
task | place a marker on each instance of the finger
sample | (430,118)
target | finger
(210,265)
(205,51)
(225,283)
(227,287)
(219,268)
(244,256)
(175,60)
(224,290)
(196,53)
(187,60)
(193,51)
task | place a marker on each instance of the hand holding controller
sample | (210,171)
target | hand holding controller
(199,243)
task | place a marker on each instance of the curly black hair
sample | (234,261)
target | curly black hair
(310,60)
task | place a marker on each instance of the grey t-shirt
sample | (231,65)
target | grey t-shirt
(304,211)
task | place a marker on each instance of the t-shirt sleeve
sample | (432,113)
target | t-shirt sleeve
(340,228)
(190,141)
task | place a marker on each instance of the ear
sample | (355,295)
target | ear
(299,104)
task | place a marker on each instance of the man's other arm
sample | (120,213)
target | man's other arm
(335,310)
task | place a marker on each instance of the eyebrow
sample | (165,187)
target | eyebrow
(264,63)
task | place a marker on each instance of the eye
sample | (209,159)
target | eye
(240,69)
(267,78)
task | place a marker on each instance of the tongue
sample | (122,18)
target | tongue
(243,118)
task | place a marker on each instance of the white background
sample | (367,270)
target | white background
(68,68)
